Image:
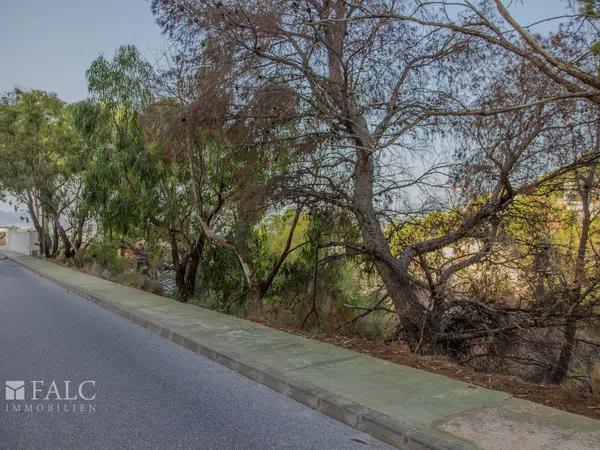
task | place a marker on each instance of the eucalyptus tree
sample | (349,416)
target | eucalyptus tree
(41,160)
(108,121)
(134,186)
(173,197)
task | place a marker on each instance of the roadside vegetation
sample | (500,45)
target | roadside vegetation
(425,175)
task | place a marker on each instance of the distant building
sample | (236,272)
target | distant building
(20,240)
(571,198)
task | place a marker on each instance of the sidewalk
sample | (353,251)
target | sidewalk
(406,407)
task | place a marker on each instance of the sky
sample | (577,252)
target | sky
(49,44)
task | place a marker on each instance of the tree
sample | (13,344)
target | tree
(134,186)
(577,293)
(371,88)
(233,148)
(41,153)
(568,57)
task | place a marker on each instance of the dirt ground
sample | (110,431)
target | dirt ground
(556,396)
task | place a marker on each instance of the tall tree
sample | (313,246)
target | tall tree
(136,186)
(234,146)
(40,152)
(370,89)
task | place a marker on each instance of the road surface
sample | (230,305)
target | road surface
(142,391)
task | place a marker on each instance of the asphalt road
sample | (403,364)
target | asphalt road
(149,392)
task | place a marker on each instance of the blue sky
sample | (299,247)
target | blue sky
(49,44)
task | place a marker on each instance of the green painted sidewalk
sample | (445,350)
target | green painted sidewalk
(416,409)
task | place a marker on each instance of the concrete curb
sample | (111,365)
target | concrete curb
(381,426)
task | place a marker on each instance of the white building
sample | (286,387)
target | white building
(20,240)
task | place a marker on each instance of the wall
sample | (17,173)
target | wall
(20,241)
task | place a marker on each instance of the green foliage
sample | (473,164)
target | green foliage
(121,186)
(104,254)
(221,277)
(42,159)
(122,83)
(38,147)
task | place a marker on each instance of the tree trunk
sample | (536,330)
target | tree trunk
(266,284)
(34,213)
(54,243)
(67,247)
(189,279)
(78,241)
(180,281)
(186,267)
(180,267)
(561,371)
(394,276)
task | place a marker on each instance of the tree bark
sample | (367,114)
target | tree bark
(186,267)
(561,370)
(34,213)
(393,272)
(67,246)
(54,243)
